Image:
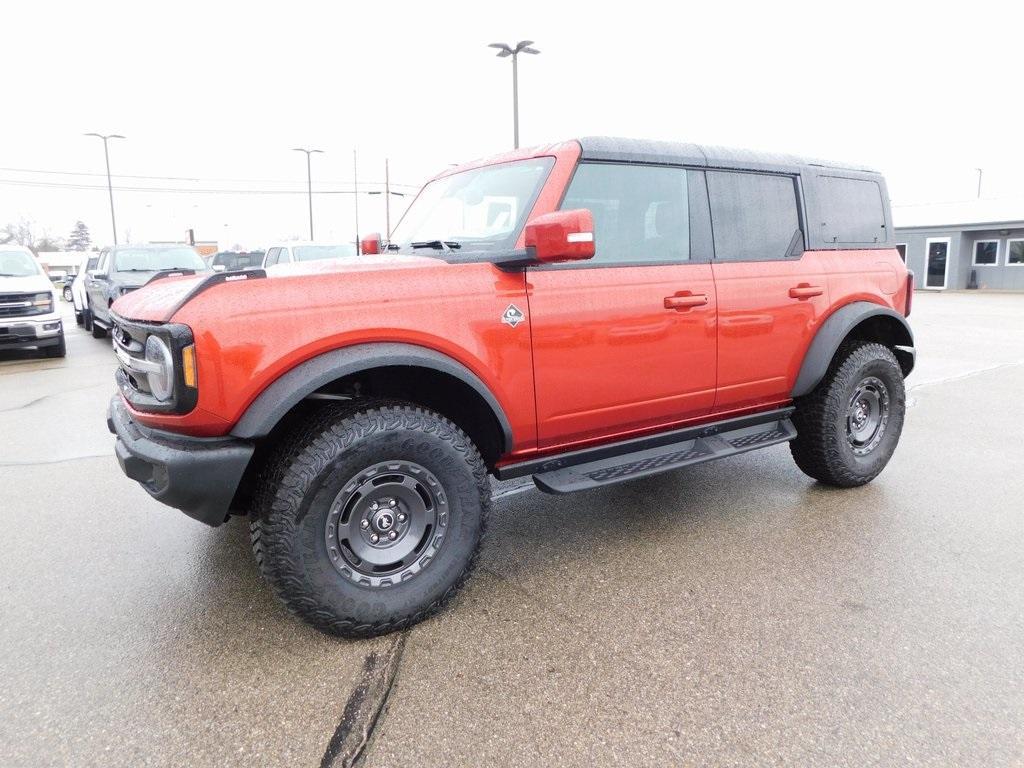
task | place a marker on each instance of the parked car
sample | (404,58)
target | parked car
(126,268)
(584,313)
(78,294)
(234,260)
(28,304)
(289,253)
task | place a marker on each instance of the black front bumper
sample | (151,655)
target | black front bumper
(197,475)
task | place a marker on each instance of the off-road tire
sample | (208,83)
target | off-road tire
(308,471)
(823,448)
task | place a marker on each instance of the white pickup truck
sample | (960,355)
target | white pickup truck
(29,316)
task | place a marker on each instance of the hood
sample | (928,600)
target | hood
(383,261)
(29,284)
(157,302)
(161,300)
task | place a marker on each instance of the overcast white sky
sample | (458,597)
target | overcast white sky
(205,91)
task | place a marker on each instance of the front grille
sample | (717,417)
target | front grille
(20,305)
(130,349)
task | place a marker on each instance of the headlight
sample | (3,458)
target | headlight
(161,381)
(43,302)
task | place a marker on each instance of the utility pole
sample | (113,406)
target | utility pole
(980,172)
(387,198)
(110,187)
(309,182)
(504,51)
(355,197)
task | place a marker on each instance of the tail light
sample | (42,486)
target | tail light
(910,293)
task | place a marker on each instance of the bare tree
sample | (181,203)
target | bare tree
(20,233)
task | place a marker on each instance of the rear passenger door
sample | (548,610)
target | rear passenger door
(626,341)
(772,293)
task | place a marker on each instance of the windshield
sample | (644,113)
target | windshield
(17,264)
(483,208)
(317,252)
(157,259)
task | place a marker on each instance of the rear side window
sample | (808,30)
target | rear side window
(851,210)
(641,213)
(754,216)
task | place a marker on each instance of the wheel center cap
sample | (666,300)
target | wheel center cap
(384,521)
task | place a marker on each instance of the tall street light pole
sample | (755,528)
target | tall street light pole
(504,51)
(110,187)
(309,181)
(355,197)
(980,171)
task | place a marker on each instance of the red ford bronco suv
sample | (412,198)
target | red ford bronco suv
(586,313)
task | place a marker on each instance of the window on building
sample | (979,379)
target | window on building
(986,252)
(641,213)
(902,248)
(754,216)
(1015,252)
(851,210)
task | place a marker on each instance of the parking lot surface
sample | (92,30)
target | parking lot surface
(733,613)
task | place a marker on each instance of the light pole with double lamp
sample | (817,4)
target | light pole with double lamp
(309,181)
(504,51)
(110,187)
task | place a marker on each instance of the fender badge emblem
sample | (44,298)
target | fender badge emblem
(513,316)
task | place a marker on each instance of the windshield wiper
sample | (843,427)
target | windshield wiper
(136,269)
(393,247)
(441,245)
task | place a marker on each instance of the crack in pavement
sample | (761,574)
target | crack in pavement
(54,461)
(364,706)
(52,394)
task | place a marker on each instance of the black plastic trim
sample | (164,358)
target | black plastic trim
(634,445)
(198,476)
(177,336)
(831,334)
(306,378)
(170,273)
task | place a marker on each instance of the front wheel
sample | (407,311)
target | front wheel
(849,425)
(369,517)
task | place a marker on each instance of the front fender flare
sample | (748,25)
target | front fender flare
(831,334)
(288,390)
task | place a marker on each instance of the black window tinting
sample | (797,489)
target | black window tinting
(754,215)
(851,210)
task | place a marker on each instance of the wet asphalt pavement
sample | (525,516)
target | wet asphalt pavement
(733,613)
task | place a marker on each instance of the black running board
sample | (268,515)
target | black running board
(653,461)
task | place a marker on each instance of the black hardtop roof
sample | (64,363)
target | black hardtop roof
(609,148)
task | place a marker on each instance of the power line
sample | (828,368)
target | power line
(176,190)
(185,178)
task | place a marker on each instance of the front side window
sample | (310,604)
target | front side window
(641,213)
(1015,252)
(157,259)
(272,256)
(986,252)
(317,252)
(754,216)
(17,264)
(902,249)
(479,209)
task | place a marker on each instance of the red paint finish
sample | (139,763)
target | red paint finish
(562,236)
(604,352)
(610,357)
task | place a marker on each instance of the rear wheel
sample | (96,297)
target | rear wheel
(848,427)
(87,319)
(369,517)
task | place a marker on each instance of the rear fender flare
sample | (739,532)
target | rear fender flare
(831,334)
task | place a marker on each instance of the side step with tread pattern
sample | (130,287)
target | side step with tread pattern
(653,461)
